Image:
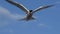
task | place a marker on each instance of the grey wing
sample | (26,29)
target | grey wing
(19,6)
(42,7)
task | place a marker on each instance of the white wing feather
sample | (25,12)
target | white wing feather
(42,7)
(19,6)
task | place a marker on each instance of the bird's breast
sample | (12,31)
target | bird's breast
(29,15)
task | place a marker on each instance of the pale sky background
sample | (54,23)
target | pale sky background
(47,20)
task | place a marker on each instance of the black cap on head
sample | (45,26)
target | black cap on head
(31,10)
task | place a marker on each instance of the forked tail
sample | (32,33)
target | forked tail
(32,18)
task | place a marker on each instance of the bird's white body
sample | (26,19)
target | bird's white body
(28,17)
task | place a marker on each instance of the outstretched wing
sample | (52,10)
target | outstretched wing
(42,7)
(19,6)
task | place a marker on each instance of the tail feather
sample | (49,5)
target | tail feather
(27,19)
(33,18)
(22,19)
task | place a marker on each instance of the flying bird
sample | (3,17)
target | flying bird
(29,13)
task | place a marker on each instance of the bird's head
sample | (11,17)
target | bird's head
(30,10)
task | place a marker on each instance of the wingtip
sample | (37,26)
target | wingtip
(7,0)
(52,4)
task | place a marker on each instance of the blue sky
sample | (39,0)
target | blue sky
(47,20)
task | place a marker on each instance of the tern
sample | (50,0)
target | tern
(29,13)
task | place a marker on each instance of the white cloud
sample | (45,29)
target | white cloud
(42,25)
(3,11)
(6,17)
(9,30)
